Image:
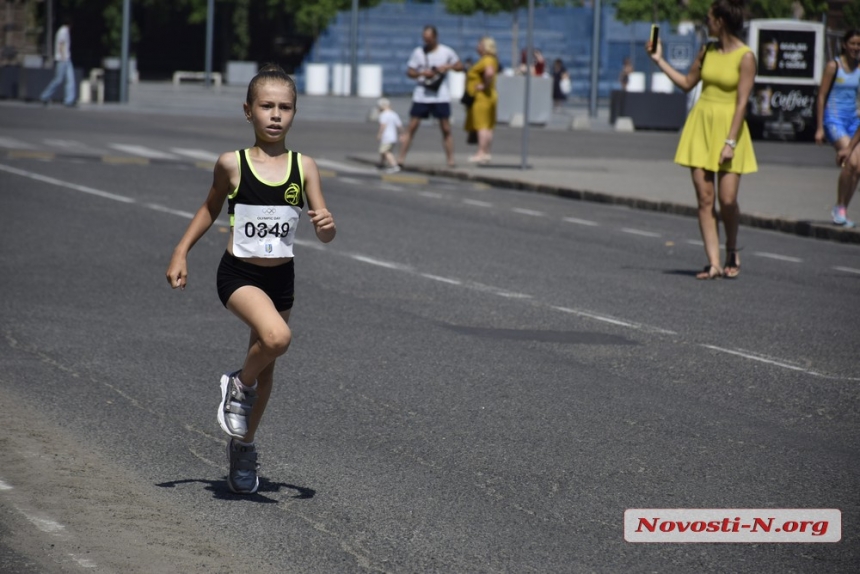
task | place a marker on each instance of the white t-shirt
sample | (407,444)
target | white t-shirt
(63,45)
(419,61)
(391,121)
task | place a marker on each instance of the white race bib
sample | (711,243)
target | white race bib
(264,230)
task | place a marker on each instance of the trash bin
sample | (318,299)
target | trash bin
(112,73)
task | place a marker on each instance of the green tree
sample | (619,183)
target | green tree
(851,15)
(676,10)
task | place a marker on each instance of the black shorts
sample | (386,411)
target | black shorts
(276,282)
(422,110)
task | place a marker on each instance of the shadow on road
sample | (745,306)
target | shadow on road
(221,491)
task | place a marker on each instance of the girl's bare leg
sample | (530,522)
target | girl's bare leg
(703,182)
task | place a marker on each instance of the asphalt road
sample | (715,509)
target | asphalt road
(481,380)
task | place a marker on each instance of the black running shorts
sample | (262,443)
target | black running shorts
(276,282)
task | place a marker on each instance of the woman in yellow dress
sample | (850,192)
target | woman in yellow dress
(481,84)
(715,143)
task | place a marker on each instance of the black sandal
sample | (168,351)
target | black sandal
(710,272)
(732,268)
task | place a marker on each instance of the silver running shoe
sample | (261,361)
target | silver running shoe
(242,477)
(235,407)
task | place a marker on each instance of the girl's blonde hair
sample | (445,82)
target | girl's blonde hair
(489,45)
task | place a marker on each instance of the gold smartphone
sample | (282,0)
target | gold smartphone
(655,37)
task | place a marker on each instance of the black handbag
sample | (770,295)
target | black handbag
(467,99)
(433,83)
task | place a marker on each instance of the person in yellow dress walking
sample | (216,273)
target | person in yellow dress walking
(715,142)
(481,85)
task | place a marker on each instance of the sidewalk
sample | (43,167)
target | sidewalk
(793,191)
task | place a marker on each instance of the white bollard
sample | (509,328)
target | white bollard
(316,79)
(341,78)
(85,93)
(661,83)
(624,124)
(369,81)
(580,123)
(517,120)
(636,82)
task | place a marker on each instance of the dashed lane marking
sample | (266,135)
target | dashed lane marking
(73,146)
(477,203)
(848,270)
(4,486)
(581,221)
(639,232)
(60,183)
(14,144)
(142,151)
(532,212)
(777,257)
(471,285)
(343,167)
(431,194)
(351,180)
(442,279)
(198,154)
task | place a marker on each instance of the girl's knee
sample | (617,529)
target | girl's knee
(276,341)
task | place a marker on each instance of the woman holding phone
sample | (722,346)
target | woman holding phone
(715,142)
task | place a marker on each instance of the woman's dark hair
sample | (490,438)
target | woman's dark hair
(731,12)
(848,35)
(269,73)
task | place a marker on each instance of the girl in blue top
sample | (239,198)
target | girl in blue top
(837,118)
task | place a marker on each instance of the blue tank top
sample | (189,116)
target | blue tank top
(842,102)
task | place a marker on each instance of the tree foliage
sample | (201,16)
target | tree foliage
(851,15)
(674,11)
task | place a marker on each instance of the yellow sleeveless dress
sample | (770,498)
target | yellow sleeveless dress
(707,126)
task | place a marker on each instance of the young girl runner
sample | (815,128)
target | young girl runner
(837,118)
(266,187)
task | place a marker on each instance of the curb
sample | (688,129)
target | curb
(802,228)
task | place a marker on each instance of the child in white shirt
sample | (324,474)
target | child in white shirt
(389,128)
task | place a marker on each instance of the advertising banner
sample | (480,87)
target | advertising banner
(790,56)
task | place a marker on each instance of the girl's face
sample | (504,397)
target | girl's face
(851,48)
(272,111)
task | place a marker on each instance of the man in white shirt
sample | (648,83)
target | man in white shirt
(63,68)
(428,66)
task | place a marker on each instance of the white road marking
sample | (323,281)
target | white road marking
(343,167)
(848,270)
(15,144)
(778,257)
(614,321)
(53,181)
(142,151)
(431,194)
(48,525)
(351,180)
(389,187)
(761,359)
(73,146)
(442,279)
(4,486)
(180,213)
(528,212)
(200,154)
(640,232)
(84,562)
(477,203)
(581,221)
(380,262)
(44,524)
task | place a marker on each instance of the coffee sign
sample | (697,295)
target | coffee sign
(782,112)
(787,53)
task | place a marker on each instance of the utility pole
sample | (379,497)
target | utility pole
(123,72)
(210,18)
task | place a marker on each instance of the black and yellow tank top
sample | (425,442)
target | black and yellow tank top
(254,190)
